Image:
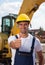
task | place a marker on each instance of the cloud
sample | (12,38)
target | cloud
(9,7)
(12,7)
(38,19)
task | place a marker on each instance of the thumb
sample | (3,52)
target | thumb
(19,37)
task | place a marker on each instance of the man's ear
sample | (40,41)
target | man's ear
(30,25)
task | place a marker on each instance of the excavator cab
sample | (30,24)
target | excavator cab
(8,23)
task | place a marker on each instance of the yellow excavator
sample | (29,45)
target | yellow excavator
(9,27)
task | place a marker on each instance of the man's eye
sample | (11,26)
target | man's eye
(20,24)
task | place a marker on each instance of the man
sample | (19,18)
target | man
(25,44)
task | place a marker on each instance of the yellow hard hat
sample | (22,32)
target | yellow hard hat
(22,17)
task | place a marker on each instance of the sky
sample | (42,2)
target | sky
(13,6)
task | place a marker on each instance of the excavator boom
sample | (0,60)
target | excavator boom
(30,6)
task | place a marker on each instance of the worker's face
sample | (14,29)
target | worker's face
(23,26)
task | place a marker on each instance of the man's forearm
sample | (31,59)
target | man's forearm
(41,61)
